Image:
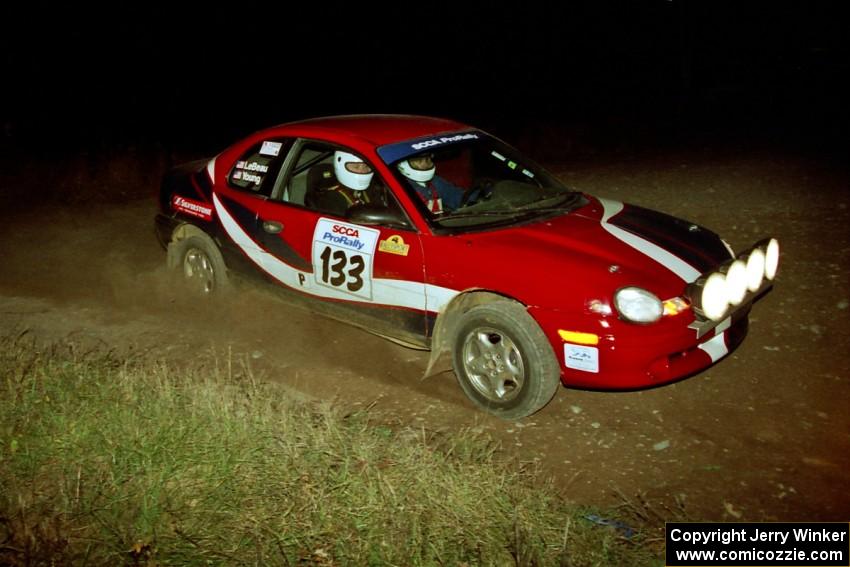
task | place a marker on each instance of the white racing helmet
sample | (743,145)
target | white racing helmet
(411,171)
(349,171)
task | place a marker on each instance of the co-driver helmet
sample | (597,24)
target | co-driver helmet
(420,168)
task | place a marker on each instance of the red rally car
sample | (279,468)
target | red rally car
(439,236)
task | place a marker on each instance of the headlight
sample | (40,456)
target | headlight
(755,269)
(771,259)
(638,305)
(736,281)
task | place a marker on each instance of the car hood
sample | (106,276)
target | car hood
(600,248)
(682,246)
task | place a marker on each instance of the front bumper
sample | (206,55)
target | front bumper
(631,356)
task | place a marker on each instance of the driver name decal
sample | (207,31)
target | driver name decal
(191,207)
(343,256)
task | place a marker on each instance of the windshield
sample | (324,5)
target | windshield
(469,179)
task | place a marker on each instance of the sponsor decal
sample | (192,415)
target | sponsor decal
(394,245)
(584,358)
(270,148)
(511,164)
(402,150)
(191,207)
(344,235)
(443,140)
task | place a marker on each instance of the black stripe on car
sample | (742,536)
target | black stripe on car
(695,245)
(271,243)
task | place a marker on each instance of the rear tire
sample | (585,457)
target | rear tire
(503,361)
(200,265)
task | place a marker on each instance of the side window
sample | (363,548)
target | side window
(312,173)
(312,183)
(258,168)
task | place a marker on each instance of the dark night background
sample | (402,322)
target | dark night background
(578,78)
(731,114)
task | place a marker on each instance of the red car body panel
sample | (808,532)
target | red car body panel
(564,268)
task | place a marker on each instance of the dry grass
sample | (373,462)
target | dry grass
(104,461)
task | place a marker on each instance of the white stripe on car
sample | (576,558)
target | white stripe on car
(664,257)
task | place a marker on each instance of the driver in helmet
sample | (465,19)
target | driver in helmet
(438,194)
(354,178)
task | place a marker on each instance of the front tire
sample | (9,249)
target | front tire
(200,264)
(503,361)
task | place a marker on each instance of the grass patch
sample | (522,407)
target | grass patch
(104,461)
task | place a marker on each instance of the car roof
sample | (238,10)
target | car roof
(375,129)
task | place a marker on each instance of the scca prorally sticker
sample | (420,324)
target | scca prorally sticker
(583,358)
(443,140)
(191,207)
(343,255)
(270,148)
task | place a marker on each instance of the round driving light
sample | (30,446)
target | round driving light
(715,297)
(736,281)
(755,269)
(771,259)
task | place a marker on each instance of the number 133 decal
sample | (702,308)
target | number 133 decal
(338,268)
(342,257)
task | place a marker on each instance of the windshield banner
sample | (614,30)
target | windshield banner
(400,150)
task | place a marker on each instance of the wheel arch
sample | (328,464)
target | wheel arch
(182,232)
(448,319)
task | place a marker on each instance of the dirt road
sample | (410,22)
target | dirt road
(764,434)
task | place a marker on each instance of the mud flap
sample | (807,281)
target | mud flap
(441,344)
(438,363)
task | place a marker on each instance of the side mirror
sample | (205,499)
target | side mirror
(376,215)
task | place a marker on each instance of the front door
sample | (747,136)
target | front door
(371,276)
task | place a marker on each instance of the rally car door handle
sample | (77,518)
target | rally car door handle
(272,227)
